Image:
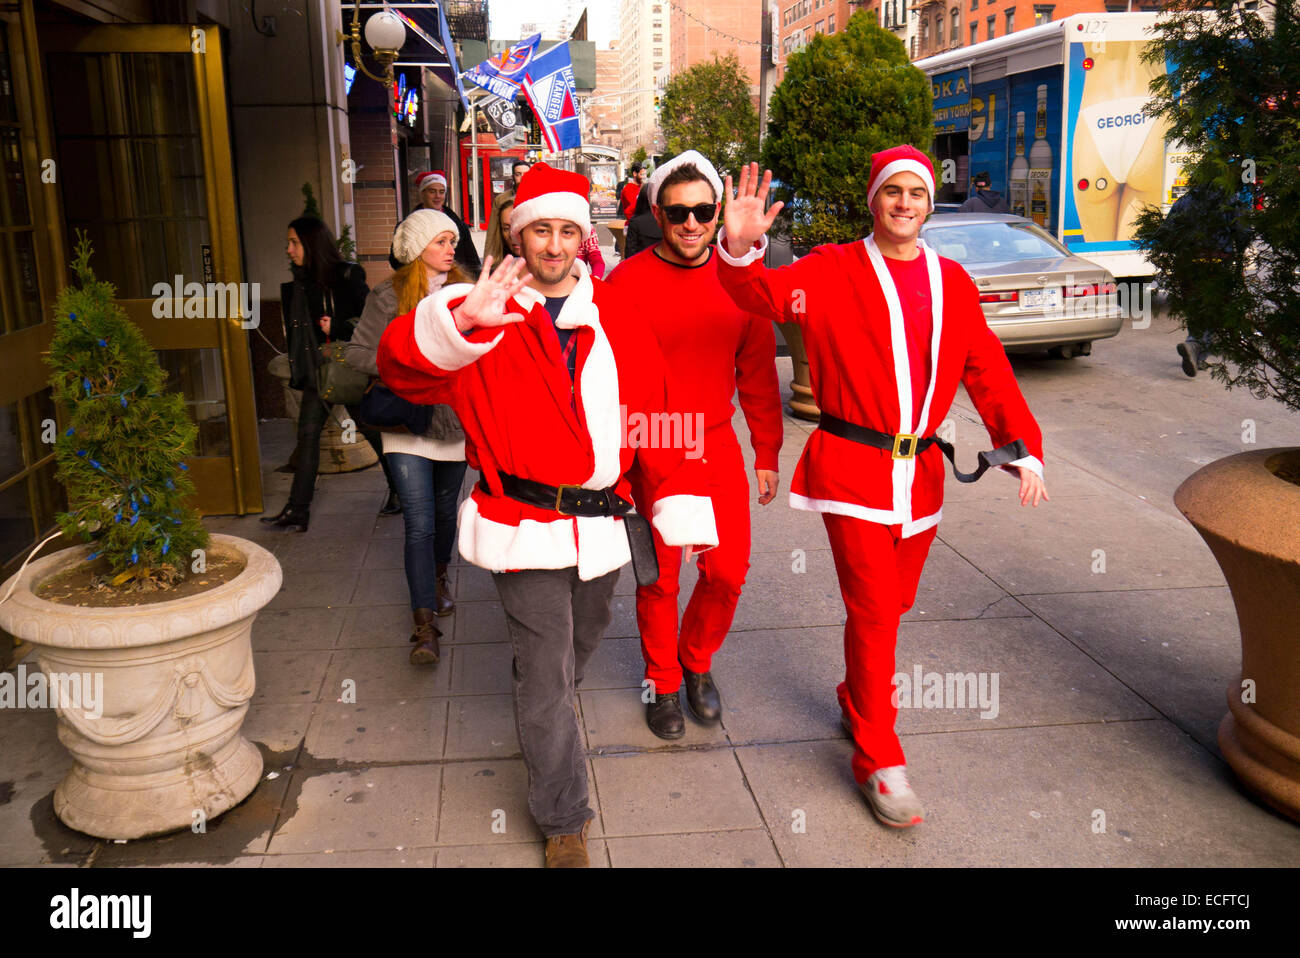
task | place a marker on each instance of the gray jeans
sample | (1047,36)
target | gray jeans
(556,622)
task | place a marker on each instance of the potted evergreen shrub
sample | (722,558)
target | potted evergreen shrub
(1230,270)
(144,630)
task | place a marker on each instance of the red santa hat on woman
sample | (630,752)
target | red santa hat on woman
(426,180)
(900,159)
(546,193)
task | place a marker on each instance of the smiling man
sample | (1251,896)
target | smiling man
(543,370)
(891,329)
(712,348)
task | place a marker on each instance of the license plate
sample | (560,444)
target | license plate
(1049,298)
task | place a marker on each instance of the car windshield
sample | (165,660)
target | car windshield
(970,243)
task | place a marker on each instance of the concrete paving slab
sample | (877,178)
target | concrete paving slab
(778,528)
(406,730)
(376,858)
(385,554)
(357,526)
(381,587)
(1056,546)
(314,590)
(777,595)
(1177,648)
(672,792)
(615,721)
(481,669)
(480,621)
(383,675)
(299,554)
(750,848)
(486,803)
(281,727)
(289,677)
(362,809)
(952,588)
(297,630)
(32,763)
(335,501)
(617,664)
(379,627)
(481,727)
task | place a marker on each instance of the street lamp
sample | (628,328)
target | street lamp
(386,35)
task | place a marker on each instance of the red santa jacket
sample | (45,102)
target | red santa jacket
(517,404)
(713,349)
(844,301)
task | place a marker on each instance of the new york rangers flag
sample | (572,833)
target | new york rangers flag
(549,85)
(504,75)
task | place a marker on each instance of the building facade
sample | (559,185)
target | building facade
(645,48)
(702,29)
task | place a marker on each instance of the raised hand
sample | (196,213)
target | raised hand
(486,303)
(744,216)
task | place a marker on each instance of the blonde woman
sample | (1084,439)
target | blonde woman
(427,469)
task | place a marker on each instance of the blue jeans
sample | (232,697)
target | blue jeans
(429,490)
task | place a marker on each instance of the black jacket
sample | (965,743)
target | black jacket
(985,201)
(466,254)
(642,229)
(303,302)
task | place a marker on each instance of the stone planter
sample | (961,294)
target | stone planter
(335,454)
(802,403)
(1250,519)
(177,679)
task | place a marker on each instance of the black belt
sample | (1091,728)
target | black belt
(566,500)
(906,446)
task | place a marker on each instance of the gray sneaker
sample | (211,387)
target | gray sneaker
(891,797)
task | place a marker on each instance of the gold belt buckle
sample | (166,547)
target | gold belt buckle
(559,493)
(910,439)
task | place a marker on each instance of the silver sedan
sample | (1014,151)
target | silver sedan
(1035,293)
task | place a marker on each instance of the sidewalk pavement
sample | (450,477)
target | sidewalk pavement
(1101,753)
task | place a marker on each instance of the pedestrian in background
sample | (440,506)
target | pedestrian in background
(983,199)
(642,230)
(321,304)
(428,469)
(432,188)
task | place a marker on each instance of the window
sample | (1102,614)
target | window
(821,26)
(925,33)
(659,38)
(830,23)
(990,23)
(974,4)
(974,29)
(1011,20)
(659,51)
(1043,13)
(956,24)
(913,46)
(938,31)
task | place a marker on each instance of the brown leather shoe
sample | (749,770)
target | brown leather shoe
(426,635)
(444,603)
(568,851)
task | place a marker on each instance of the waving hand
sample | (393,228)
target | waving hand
(744,217)
(486,303)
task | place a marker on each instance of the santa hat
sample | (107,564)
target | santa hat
(417,231)
(426,180)
(546,193)
(698,160)
(900,159)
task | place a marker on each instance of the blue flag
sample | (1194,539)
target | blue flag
(504,75)
(549,86)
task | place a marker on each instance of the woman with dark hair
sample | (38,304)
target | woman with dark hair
(321,304)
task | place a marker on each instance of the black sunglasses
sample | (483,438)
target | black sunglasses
(704,213)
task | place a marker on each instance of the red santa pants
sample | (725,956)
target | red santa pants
(878,572)
(722,571)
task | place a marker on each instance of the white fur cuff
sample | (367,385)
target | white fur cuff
(755,253)
(436,334)
(685,521)
(1032,463)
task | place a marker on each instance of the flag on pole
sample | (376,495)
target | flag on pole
(548,84)
(504,75)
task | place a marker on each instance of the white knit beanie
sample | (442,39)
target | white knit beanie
(418,230)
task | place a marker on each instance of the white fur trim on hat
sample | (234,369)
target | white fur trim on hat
(681,159)
(560,205)
(418,230)
(429,179)
(904,165)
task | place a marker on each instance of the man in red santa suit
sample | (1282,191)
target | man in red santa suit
(711,348)
(542,367)
(891,328)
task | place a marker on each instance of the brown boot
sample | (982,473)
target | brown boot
(444,603)
(426,635)
(568,851)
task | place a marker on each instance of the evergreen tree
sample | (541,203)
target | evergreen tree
(707,108)
(1229,255)
(121,455)
(844,97)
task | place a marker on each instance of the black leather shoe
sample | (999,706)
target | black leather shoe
(664,716)
(702,696)
(295,520)
(392,506)
(278,518)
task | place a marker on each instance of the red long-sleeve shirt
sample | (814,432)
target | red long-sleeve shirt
(712,348)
